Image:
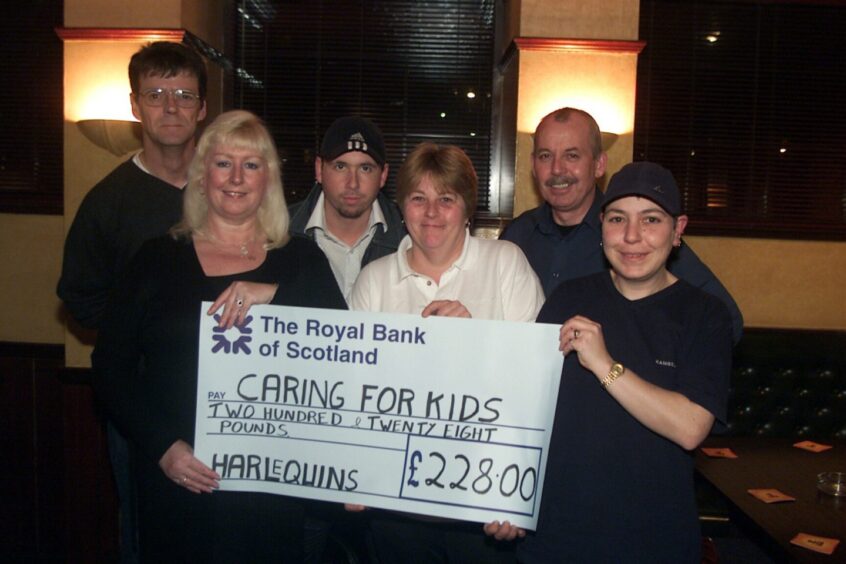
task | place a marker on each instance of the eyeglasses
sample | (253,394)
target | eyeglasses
(156,97)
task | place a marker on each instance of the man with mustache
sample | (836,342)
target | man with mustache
(346,213)
(562,237)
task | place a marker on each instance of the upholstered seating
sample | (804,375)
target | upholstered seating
(789,383)
(785,383)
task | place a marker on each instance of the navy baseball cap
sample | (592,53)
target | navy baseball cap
(649,180)
(353,133)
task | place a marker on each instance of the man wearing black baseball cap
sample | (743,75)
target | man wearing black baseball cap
(346,212)
(353,223)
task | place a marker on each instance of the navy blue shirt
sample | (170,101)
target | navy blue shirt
(556,257)
(615,491)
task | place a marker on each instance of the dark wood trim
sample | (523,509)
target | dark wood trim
(75,376)
(796,332)
(35,201)
(58,495)
(10,349)
(788,2)
(553,44)
(578,45)
(118,34)
(50,352)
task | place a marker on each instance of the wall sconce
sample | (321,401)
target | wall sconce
(608,139)
(114,135)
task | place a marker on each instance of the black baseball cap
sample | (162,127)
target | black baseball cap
(649,180)
(353,133)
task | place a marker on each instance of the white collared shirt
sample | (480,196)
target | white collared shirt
(344,259)
(491,278)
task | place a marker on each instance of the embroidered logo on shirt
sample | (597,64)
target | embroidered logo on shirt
(667,363)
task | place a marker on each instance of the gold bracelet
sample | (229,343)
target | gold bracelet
(615,372)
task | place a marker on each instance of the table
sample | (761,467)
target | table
(775,463)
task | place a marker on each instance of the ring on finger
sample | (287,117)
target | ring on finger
(575,333)
(239,302)
(184,479)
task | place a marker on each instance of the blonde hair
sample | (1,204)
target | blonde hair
(449,168)
(242,130)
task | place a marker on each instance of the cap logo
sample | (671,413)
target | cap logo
(658,189)
(356,142)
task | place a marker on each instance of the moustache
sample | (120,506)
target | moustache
(553,180)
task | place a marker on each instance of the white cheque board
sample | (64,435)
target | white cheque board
(439,416)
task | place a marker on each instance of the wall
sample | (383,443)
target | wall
(124,13)
(30,252)
(778,283)
(610,19)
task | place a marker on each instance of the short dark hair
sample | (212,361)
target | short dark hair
(167,59)
(449,168)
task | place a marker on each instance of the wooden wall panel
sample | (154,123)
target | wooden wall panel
(58,498)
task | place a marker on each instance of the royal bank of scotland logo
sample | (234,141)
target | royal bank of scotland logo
(232,341)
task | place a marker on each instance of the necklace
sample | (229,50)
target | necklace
(244,250)
(243,247)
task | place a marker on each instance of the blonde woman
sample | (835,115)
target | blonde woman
(234,231)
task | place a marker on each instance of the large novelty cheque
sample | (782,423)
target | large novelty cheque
(440,416)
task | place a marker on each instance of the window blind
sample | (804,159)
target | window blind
(421,70)
(741,100)
(31,108)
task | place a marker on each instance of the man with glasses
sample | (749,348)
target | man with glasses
(139,200)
